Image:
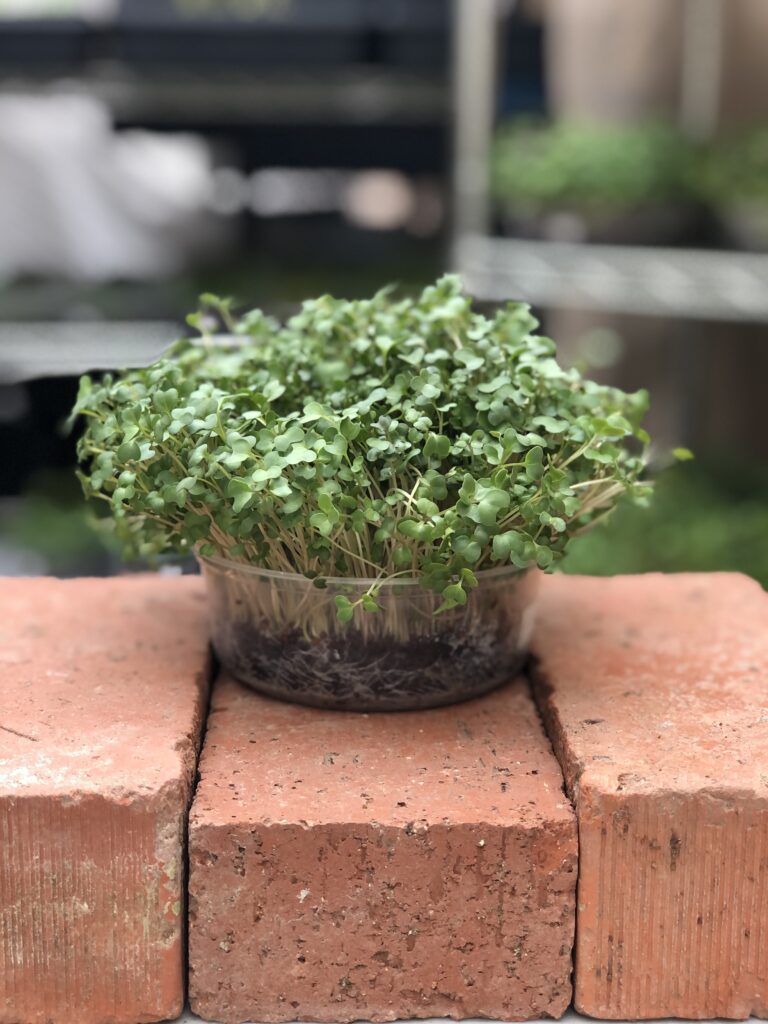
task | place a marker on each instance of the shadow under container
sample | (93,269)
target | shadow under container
(279,633)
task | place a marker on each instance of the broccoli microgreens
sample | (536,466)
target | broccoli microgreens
(375,439)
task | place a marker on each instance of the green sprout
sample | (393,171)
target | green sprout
(376,439)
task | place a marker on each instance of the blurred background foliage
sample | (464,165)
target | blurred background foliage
(680,190)
(591,168)
(703,517)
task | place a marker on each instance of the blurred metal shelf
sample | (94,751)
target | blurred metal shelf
(350,96)
(29,351)
(302,34)
(688,283)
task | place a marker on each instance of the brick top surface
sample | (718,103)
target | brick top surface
(99,679)
(659,680)
(486,761)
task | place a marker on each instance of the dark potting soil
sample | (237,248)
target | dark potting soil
(357,672)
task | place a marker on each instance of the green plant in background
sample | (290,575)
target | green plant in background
(48,529)
(373,439)
(704,518)
(734,169)
(732,180)
(590,168)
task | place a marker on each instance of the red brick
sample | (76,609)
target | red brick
(654,691)
(102,691)
(383,866)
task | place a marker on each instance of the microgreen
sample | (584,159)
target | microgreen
(373,439)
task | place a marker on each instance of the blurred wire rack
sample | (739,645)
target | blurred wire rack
(66,349)
(690,283)
(682,283)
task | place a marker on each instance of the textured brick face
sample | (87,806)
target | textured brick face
(102,690)
(379,867)
(655,692)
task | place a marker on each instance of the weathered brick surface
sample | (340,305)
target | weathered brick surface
(102,691)
(655,691)
(379,866)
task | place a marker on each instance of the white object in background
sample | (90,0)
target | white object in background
(79,200)
(89,10)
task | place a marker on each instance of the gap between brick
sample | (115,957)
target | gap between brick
(531,672)
(212,673)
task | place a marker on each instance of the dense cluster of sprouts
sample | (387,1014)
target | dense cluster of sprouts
(375,439)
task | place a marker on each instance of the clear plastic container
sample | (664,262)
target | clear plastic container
(279,633)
